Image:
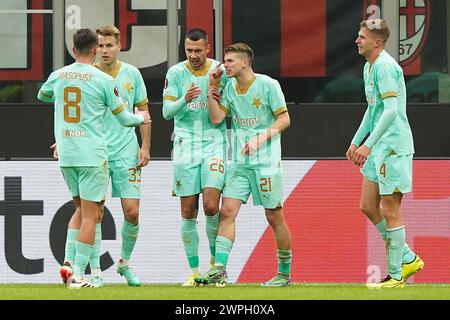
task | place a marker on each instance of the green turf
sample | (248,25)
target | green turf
(231,292)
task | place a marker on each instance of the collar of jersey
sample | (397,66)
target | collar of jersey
(201,72)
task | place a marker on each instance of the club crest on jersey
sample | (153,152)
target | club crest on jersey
(166,83)
(414,27)
(256,101)
(116,91)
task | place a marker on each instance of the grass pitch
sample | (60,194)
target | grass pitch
(299,291)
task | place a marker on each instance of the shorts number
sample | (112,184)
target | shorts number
(135,175)
(265,185)
(383,170)
(74,104)
(217,165)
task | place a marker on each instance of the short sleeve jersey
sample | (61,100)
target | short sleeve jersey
(193,122)
(81,94)
(253,110)
(122,141)
(382,80)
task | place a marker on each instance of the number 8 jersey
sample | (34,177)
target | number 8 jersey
(81,94)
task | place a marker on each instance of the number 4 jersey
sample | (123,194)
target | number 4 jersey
(81,94)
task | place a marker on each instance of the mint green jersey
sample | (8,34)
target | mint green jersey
(382,80)
(81,94)
(122,141)
(193,121)
(253,110)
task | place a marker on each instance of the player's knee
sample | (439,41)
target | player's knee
(390,211)
(227,213)
(210,208)
(274,219)
(189,212)
(367,208)
(132,214)
(390,215)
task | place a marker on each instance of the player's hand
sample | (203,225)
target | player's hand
(192,93)
(251,146)
(350,154)
(215,93)
(214,76)
(55,151)
(143,157)
(361,155)
(143,113)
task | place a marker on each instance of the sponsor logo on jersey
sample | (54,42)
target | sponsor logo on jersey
(245,122)
(194,106)
(74,133)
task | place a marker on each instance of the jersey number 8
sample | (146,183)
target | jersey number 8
(72,104)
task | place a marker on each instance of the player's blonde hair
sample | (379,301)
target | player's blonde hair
(240,47)
(378,27)
(108,31)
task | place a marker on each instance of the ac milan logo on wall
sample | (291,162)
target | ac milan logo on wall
(414,27)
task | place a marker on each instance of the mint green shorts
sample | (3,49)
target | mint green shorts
(265,185)
(88,183)
(392,173)
(196,167)
(125,178)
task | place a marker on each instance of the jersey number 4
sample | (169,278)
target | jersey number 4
(72,98)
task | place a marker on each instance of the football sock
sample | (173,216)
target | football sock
(94,261)
(72,235)
(129,236)
(83,253)
(223,248)
(408,255)
(189,235)
(284,261)
(395,243)
(212,225)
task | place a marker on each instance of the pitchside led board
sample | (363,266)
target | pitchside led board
(332,240)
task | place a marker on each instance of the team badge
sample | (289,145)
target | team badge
(414,27)
(116,91)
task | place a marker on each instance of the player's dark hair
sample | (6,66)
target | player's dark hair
(85,40)
(196,34)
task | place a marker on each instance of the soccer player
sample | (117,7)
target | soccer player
(125,160)
(82,94)
(387,153)
(199,148)
(256,104)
